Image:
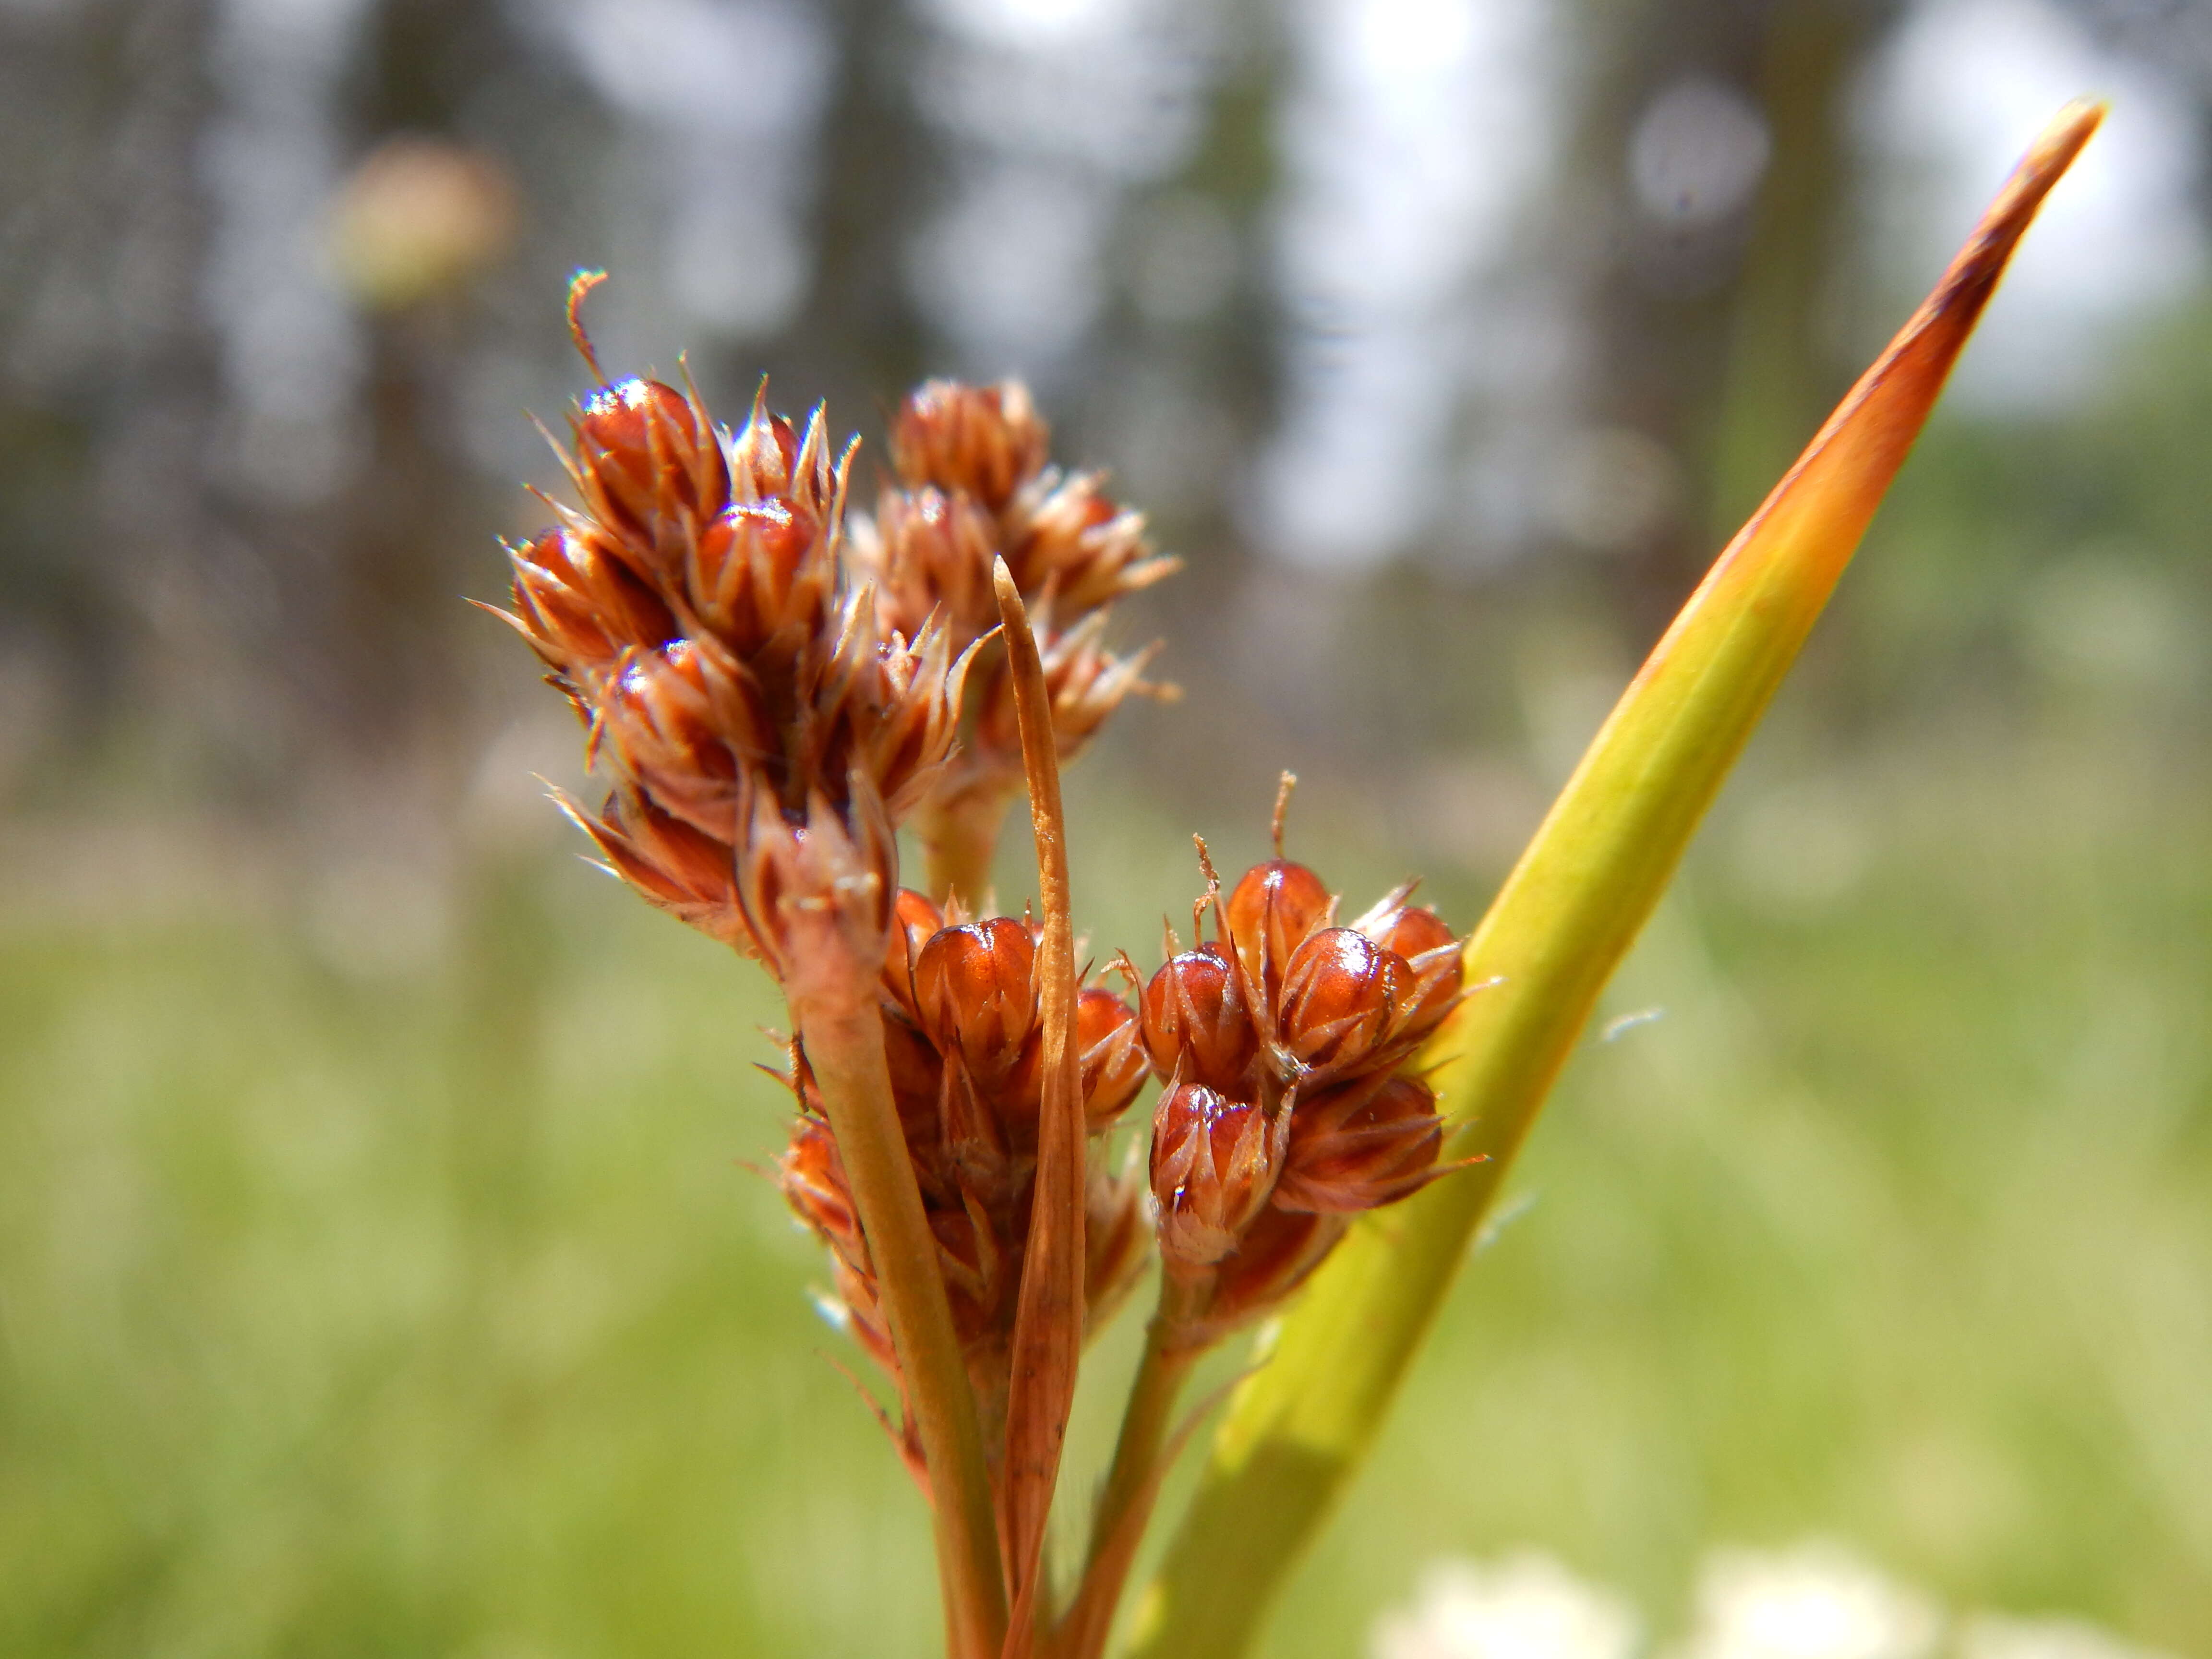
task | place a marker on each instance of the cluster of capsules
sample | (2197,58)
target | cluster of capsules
(974,481)
(961,1023)
(751,702)
(1288,1105)
(773,684)
(769,684)
(771,700)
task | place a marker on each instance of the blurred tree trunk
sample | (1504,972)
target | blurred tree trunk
(1217,372)
(109,535)
(1782,372)
(860,341)
(1182,404)
(413,532)
(1706,336)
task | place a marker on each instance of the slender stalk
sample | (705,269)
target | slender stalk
(1167,1363)
(1134,1480)
(959,832)
(1048,1342)
(833,998)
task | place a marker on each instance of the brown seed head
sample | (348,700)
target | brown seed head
(901,712)
(917,1086)
(985,441)
(673,721)
(1214,1161)
(929,550)
(764,454)
(1361,1145)
(812,1177)
(817,888)
(1433,953)
(1196,1025)
(1115,1235)
(581,609)
(647,454)
(1279,1251)
(915,919)
(1077,543)
(697,612)
(690,875)
(1438,967)
(976,1272)
(761,571)
(1086,683)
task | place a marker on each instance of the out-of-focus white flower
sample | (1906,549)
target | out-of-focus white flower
(1815,1602)
(1994,1636)
(1525,1606)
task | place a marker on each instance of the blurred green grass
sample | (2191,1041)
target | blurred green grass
(442,1316)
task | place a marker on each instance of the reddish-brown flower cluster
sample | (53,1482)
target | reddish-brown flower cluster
(1281,1043)
(960,1006)
(764,726)
(975,482)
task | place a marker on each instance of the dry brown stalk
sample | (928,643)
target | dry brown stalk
(833,1003)
(1048,1345)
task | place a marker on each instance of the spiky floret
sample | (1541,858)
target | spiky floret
(764,724)
(1284,1043)
(974,482)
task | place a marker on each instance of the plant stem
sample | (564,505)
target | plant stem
(1134,1480)
(959,831)
(832,992)
(1167,1360)
(1048,1339)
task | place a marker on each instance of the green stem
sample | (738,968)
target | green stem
(1134,1480)
(833,1002)
(959,832)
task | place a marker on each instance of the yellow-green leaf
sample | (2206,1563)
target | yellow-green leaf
(1298,1428)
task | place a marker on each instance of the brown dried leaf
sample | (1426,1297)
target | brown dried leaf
(1049,1318)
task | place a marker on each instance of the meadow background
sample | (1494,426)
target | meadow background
(384,1264)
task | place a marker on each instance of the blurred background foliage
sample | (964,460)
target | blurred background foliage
(383,1263)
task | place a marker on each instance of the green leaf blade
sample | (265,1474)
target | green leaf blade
(1298,1427)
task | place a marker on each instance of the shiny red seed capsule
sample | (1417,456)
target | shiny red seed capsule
(585,607)
(1278,1252)
(974,989)
(1196,1025)
(915,919)
(1114,1063)
(1271,911)
(1213,1164)
(1431,951)
(1360,1146)
(1340,998)
(747,569)
(651,453)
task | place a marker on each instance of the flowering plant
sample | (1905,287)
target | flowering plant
(773,686)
